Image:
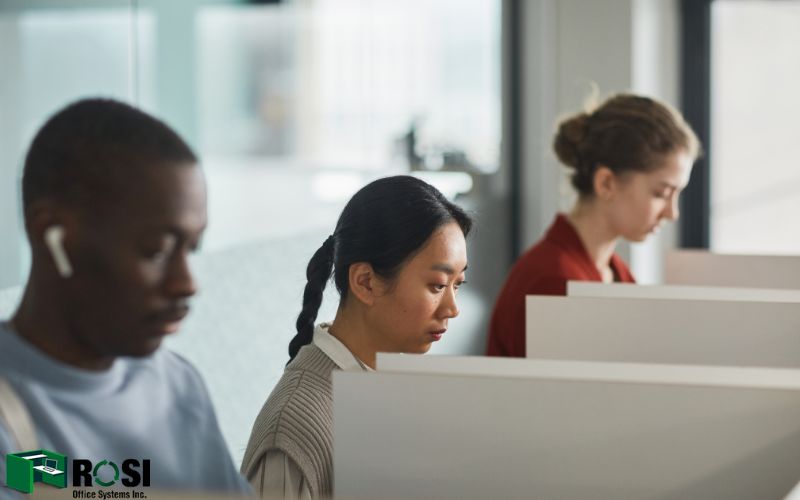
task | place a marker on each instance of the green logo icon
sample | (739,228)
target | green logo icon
(100,481)
(35,466)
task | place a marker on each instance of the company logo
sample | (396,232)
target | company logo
(106,473)
(25,468)
(35,466)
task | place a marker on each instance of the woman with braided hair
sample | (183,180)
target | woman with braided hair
(631,157)
(397,258)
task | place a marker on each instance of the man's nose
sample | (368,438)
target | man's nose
(180,281)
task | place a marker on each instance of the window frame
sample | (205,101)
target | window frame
(695,226)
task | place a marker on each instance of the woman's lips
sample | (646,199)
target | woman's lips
(437,334)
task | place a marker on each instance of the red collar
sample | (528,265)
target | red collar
(563,235)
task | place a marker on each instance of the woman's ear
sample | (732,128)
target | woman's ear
(364,283)
(604,183)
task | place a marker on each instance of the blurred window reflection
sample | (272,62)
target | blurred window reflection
(339,82)
(755,181)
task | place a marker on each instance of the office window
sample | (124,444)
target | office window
(755,178)
(339,82)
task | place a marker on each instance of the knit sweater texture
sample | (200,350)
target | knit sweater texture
(297,419)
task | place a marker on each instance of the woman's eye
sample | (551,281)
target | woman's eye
(438,287)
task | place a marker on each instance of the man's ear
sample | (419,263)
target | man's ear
(364,284)
(51,226)
(605,183)
(44,213)
(40,215)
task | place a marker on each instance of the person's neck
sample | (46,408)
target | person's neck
(595,233)
(40,320)
(350,328)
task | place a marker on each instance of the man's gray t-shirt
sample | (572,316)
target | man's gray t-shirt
(154,408)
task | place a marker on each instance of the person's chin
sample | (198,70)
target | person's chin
(421,348)
(637,237)
(146,347)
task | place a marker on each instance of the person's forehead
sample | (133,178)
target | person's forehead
(446,246)
(158,195)
(675,169)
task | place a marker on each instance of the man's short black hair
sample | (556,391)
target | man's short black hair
(91,145)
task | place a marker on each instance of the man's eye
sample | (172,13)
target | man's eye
(155,255)
(159,248)
(160,251)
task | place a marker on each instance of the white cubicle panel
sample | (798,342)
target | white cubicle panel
(687,292)
(563,432)
(587,370)
(696,267)
(693,332)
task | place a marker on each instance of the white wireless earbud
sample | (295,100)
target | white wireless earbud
(54,238)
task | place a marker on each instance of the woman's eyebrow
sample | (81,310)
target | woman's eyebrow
(446,269)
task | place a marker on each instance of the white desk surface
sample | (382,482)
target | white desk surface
(53,472)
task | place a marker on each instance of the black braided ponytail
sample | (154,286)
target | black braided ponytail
(318,272)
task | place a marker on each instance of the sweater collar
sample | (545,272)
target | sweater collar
(337,351)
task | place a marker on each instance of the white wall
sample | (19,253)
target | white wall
(569,45)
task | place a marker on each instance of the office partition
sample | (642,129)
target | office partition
(702,332)
(565,430)
(697,267)
(689,292)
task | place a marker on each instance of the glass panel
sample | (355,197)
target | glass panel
(339,82)
(318,98)
(755,186)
